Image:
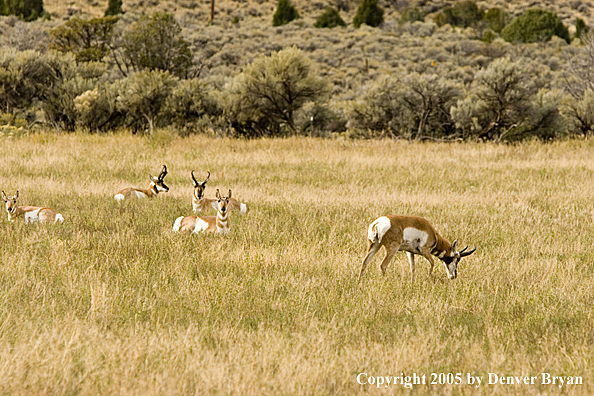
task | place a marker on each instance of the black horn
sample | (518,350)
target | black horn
(463,253)
(195,181)
(163,172)
(207,177)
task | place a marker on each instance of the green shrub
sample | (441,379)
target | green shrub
(114,7)
(496,19)
(369,13)
(498,102)
(144,93)
(411,14)
(329,19)
(97,109)
(285,13)
(88,40)
(579,113)
(464,13)
(155,42)
(270,92)
(581,29)
(28,10)
(188,104)
(416,107)
(535,25)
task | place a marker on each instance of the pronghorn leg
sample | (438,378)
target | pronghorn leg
(411,260)
(429,258)
(390,252)
(372,249)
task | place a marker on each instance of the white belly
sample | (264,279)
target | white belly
(32,216)
(200,226)
(140,194)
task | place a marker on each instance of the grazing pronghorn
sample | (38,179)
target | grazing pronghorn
(200,202)
(414,235)
(157,185)
(218,223)
(32,213)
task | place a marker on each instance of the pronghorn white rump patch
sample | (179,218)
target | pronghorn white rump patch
(378,229)
(140,194)
(242,208)
(414,238)
(119,197)
(177,223)
(59,218)
(200,226)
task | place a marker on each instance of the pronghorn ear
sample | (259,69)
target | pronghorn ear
(229,194)
(3,195)
(218,194)
(17,194)
(454,245)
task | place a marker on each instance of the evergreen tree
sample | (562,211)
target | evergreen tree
(114,8)
(580,28)
(329,19)
(369,13)
(535,25)
(285,13)
(28,10)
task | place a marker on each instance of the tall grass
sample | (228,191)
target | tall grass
(113,302)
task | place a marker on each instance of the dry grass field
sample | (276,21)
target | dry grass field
(113,302)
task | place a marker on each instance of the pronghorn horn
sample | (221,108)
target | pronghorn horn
(467,253)
(17,194)
(195,181)
(207,177)
(229,194)
(163,173)
(463,250)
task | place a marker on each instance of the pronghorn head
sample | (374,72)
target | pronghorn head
(11,202)
(199,187)
(452,259)
(223,202)
(160,185)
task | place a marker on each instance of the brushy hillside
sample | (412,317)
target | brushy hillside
(261,10)
(113,302)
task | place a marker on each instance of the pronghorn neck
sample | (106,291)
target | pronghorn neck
(222,221)
(151,191)
(16,212)
(200,204)
(442,248)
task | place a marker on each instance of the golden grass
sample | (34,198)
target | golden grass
(113,302)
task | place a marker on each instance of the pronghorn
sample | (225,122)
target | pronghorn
(32,213)
(200,202)
(157,185)
(218,223)
(414,235)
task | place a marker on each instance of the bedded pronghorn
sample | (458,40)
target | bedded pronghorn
(218,223)
(32,214)
(200,202)
(414,235)
(157,185)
